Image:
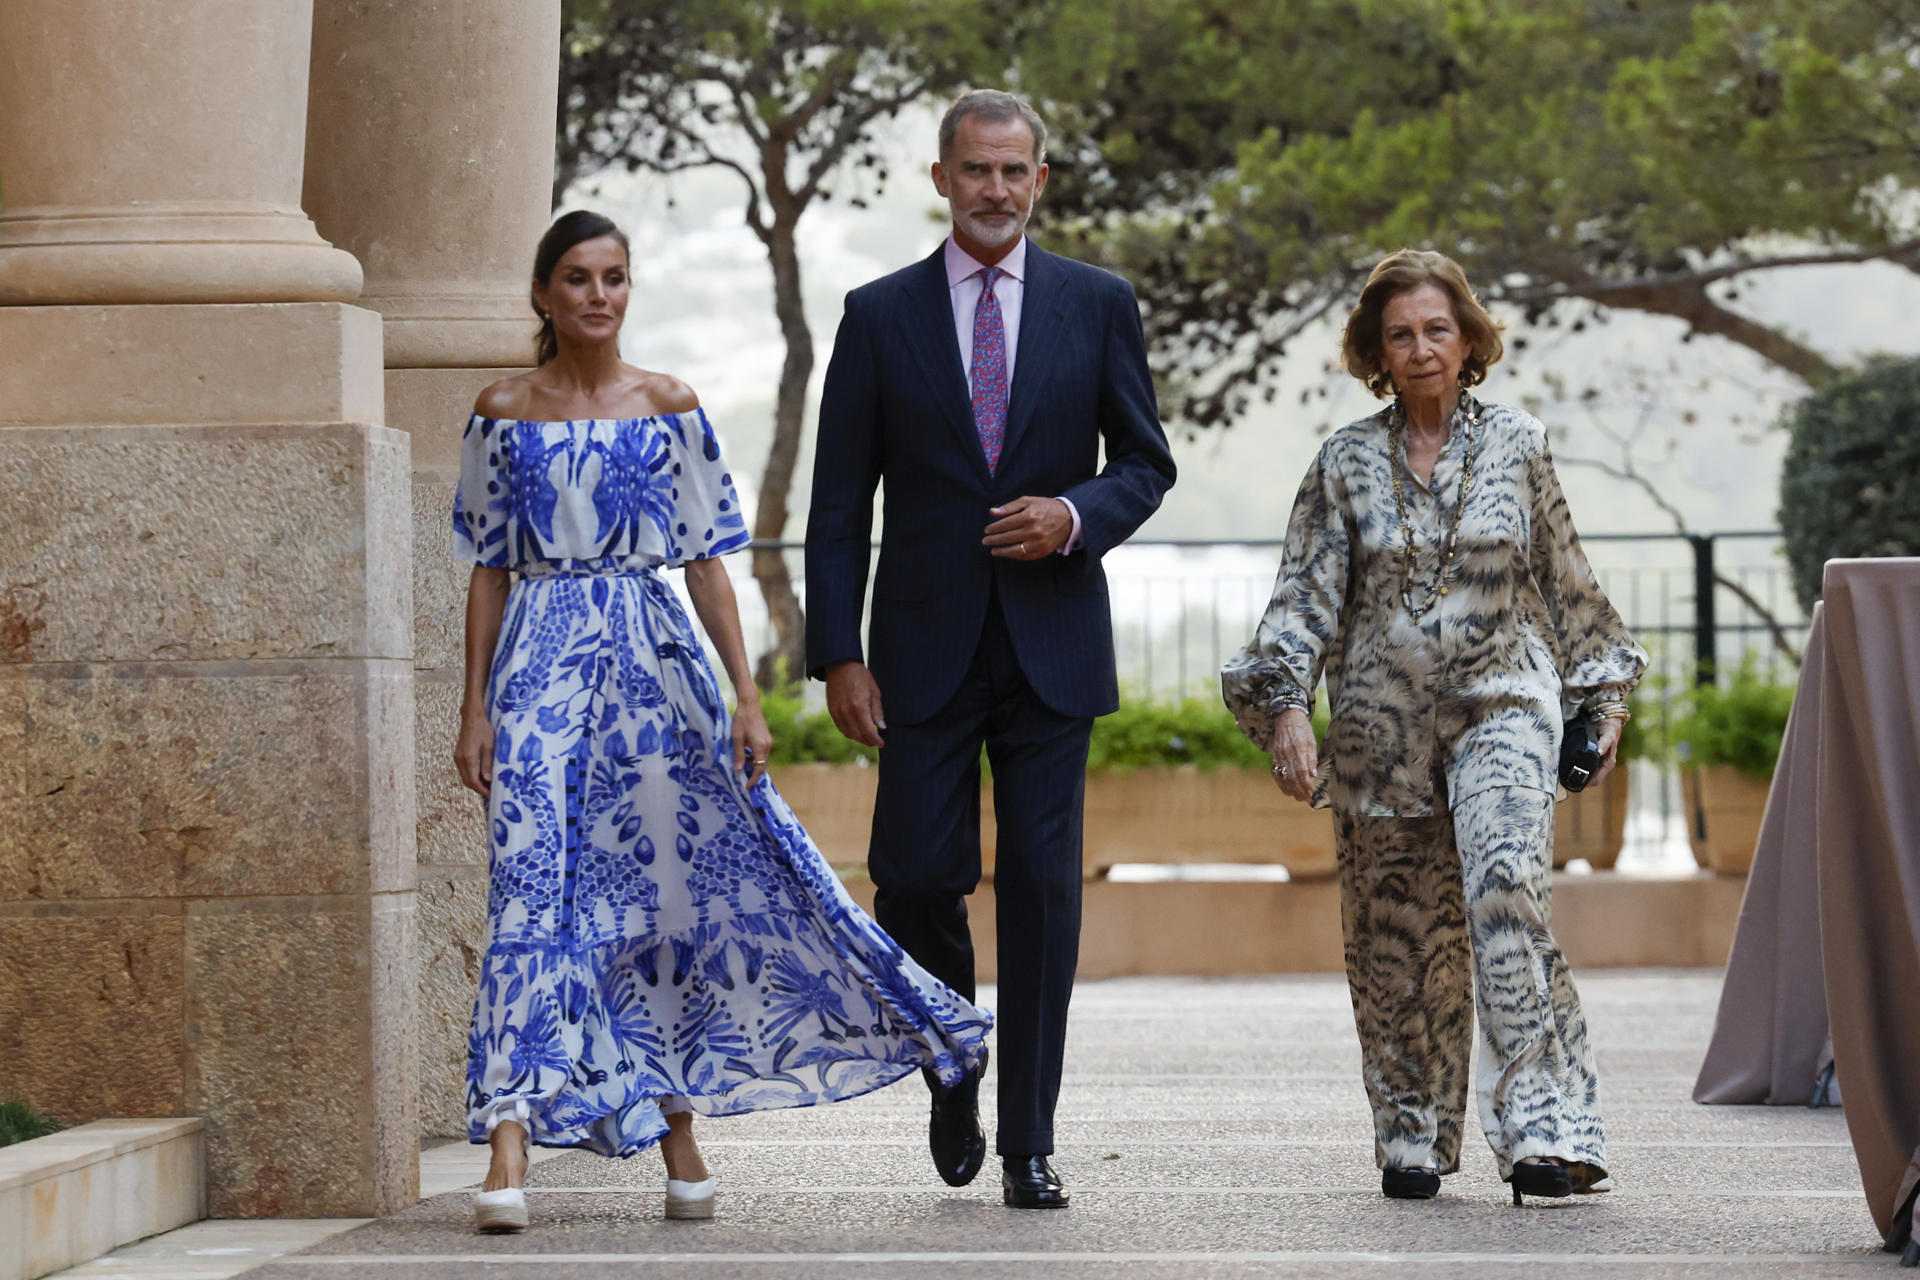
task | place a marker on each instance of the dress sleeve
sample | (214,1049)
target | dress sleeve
(1599,659)
(1281,665)
(481,500)
(707,519)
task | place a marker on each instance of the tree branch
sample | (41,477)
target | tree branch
(849,128)
(750,122)
(1604,291)
(1212,406)
(1692,304)
(1629,473)
(833,80)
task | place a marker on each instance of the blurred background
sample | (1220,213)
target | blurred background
(1691,218)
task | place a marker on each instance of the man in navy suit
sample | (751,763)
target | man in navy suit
(977,387)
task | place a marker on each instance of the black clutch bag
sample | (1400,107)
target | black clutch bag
(1579,753)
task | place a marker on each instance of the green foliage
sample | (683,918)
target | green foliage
(807,737)
(19,1122)
(1738,723)
(1196,731)
(1642,739)
(1245,161)
(1850,485)
(787,95)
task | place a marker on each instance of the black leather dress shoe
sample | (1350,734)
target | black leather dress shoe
(1029,1182)
(1409,1184)
(953,1130)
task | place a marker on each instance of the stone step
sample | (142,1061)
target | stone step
(68,1198)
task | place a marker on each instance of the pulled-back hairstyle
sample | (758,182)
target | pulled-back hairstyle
(568,230)
(1361,348)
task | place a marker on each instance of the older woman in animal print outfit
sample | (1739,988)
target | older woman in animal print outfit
(1432,571)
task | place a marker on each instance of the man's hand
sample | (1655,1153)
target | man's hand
(1295,756)
(1028,529)
(853,700)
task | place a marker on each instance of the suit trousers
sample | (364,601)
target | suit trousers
(925,859)
(1441,914)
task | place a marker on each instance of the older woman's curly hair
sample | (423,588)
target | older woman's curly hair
(1360,345)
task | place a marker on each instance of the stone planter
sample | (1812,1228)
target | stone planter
(835,804)
(1724,810)
(68,1198)
(1592,824)
(1183,814)
(1174,814)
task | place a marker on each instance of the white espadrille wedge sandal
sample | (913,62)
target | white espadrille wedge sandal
(495,1212)
(691,1201)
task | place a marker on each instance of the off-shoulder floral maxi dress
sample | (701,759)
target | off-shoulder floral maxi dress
(1441,766)
(661,937)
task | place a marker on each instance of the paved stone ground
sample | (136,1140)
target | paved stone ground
(1207,1128)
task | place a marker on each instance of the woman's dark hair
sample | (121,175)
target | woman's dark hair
(568,230)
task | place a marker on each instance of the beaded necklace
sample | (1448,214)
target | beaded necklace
(1397,462)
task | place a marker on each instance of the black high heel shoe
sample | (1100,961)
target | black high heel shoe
(1551,1181)
(1409,1184)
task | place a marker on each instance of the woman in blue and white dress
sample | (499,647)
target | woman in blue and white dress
(664,939)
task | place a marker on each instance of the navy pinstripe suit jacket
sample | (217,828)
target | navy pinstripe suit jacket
(896,413)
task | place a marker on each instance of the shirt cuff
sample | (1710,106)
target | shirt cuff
(1073,540)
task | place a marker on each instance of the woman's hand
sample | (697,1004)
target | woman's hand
(752,740)
(1295,757)
(1607,737)
(473,751)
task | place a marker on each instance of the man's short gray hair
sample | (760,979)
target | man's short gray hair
(995,106)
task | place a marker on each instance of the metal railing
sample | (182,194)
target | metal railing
(1700,603)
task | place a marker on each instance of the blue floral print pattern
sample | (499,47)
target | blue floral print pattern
(660,935)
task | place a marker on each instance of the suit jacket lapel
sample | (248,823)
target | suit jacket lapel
(1043,299)
(930,327)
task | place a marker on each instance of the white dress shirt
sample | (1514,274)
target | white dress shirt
(964,287)
(963,290)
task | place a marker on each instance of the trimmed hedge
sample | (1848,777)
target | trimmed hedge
(1850,484)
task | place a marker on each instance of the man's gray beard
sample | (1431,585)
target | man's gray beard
(984,233)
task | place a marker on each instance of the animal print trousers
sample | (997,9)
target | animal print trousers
(1436,912)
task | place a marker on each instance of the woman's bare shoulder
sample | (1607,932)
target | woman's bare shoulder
(506,398)
(666,393)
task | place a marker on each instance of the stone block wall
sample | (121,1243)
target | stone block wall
(432,405)
(206,721)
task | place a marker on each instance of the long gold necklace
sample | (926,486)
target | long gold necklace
(1397,462)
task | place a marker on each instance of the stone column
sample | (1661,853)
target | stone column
(206,688)
(430,156)
(152,154)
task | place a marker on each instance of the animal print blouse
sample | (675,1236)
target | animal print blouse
(1471,695)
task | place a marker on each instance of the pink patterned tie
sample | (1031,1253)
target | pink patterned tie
(988,377)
